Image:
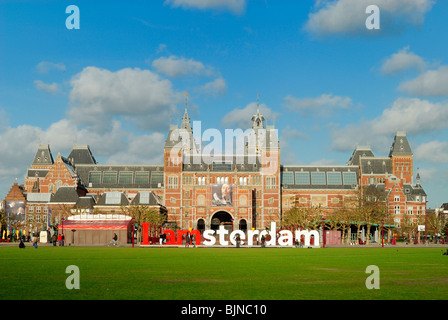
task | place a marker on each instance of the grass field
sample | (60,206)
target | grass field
(224,273)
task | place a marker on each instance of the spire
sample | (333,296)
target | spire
(186,119)
(400,146)
(258,119)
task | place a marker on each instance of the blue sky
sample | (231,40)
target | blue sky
(118,81)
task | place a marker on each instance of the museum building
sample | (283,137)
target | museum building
(241,191)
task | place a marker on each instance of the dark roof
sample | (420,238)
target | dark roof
(113,198)
(65,194)
(37,173)
(43,156)
(146,198)
(327,170)
(360,152)
(81,154)
(376,165)
(85,202)
(154,173)
(400,146)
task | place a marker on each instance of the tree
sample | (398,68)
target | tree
(142,213)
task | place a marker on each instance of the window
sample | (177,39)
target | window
(397,209)
(31,210)
(318,178)
(287,178)
(334,178)
(303,178)
(271,183)
(38,210)
(157,177)
(95,177)
(141,177)
(37,217)
(110,177)
(172,183)
(397,198)
(349,178)
(125,177)
(187,180)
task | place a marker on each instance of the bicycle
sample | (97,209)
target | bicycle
(112,244)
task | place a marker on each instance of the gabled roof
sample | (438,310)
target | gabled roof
(375,165)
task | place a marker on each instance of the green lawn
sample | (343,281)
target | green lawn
(219,274)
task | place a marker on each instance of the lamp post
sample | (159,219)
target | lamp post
(323,233)
(382,234)
(133,230)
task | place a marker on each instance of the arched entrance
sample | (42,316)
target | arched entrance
(221,218)
(201,225)
(243,225)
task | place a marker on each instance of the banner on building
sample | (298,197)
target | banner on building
(222,195)
(15,210)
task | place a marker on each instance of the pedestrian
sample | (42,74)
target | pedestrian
(54,239)
(35,242)
(161,239)
(21,244)
(60,239)
(187,240)
(263,239)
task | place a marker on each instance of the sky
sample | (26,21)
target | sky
(327,82)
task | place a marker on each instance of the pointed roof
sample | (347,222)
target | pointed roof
(81,154)
(400,146)
(43,156)
(258,118)
(360,151)
(186,119)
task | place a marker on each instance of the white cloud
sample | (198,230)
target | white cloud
(348,17)
(45,67)
(50,88)
(402,61)
(139,96)
(409,114)
(430,83)
(241,118)
(175,67)
(433,151)
(234,6)
(214,88)
(319,105)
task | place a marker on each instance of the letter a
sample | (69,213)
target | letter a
(373,281)
(72,21)
(373,21)
(72,281)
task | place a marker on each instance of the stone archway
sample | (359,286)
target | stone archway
(221,218)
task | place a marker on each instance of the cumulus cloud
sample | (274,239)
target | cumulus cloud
(319,105)
(234,6)
(347,17)
(433,151)
(409,114)
(139,96)
(402,61)
(50,88)
(175,67)
(429,83)
(214,88)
